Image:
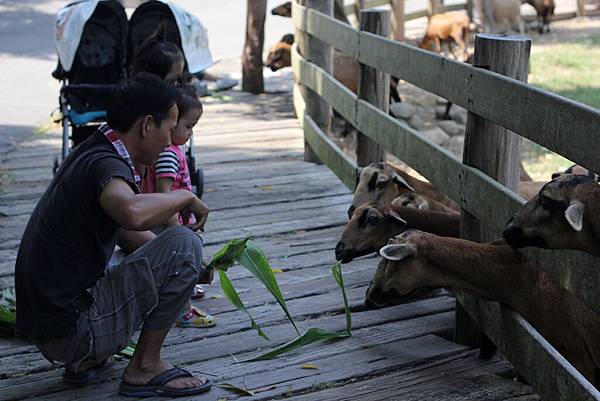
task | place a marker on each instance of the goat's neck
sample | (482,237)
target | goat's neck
(497,272)
(590,238)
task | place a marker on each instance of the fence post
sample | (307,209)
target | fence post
(433,7)
(321,54)
(580,8)
(491,148)
(469,8)
(397,19)
(373,85)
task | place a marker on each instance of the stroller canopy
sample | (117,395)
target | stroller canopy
(71,20)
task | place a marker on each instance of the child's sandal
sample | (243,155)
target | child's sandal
(195,317)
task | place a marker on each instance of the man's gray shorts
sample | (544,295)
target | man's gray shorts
(149,287)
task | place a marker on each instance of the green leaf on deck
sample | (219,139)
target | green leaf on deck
(226,256)
(235,300)
(236,389)
(8,312)
(255,261)
(311,336)
(336,271)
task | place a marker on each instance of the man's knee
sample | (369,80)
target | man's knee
(182,240)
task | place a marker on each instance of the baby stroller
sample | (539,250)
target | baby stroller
(95,44)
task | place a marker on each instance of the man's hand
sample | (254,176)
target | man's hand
(200,211)
(207,276)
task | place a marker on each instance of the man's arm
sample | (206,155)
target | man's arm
(163,186)
(145,211)
(130,241)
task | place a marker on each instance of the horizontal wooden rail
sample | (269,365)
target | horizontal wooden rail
(330,154)
(533,357)
(350,9)
(467,186)
(562,125)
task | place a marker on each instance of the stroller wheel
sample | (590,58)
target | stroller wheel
(55,166)
(198,181)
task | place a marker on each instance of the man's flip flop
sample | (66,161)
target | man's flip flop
(157,387)
(81,378)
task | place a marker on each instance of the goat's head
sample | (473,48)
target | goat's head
(577,170)
(369,228)
(411,199)
(377,182)
(283,10)
(399,275)
(560,216)
(280,55)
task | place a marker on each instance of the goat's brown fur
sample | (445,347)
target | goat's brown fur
(564,215)
(447,27)
(374,223)
(496,272)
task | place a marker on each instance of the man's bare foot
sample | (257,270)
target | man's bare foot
(138,376)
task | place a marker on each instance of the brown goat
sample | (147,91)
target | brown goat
(416,260)
(415,200)
(374,223)
(544,10)
(564,215)
(385,182)
(447,27)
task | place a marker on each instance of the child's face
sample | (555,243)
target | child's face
(186,123)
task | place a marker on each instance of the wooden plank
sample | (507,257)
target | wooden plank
(336,33)
(284,375)
(553,377)
(460,377)
(217,350)
(325,85)
(327,151)
(555,122)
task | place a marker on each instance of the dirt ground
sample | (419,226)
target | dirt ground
(540,162)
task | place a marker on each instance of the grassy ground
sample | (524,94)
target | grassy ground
(569,68)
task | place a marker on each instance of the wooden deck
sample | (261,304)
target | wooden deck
(250,148)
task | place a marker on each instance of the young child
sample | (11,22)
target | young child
(169,173)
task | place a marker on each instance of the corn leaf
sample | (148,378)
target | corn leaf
(235,300)
(226,256)
(311,336)
(8,312)
(336,271)
(236,389)
(255,261)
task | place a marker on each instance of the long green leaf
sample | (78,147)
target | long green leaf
(311,336)
(336,271)
(255,261)
(235,300)
(8,312)
(236,389)
(226,256)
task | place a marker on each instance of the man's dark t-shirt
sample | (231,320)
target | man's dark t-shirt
(68,241)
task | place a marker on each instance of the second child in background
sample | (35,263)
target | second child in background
(169,173)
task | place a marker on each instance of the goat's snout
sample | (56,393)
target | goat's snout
(513,234)
(351,210)
(341,253)
(368,302)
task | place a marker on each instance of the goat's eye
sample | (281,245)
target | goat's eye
(372,220)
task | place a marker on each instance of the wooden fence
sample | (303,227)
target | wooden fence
(437,6)
(559,124)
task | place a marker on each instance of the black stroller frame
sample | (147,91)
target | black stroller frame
(102,59)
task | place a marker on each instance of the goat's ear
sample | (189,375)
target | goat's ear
(397,217)
(382,180)
(398,180)
(574,215)
(423,205)
(397,252)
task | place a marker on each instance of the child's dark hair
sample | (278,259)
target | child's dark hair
(156,54)
(145,94)
(187,97)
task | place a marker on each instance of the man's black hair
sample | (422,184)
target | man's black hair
(145,94)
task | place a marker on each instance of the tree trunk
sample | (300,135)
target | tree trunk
(252,65)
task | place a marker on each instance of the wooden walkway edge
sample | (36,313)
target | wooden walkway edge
(251,148)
